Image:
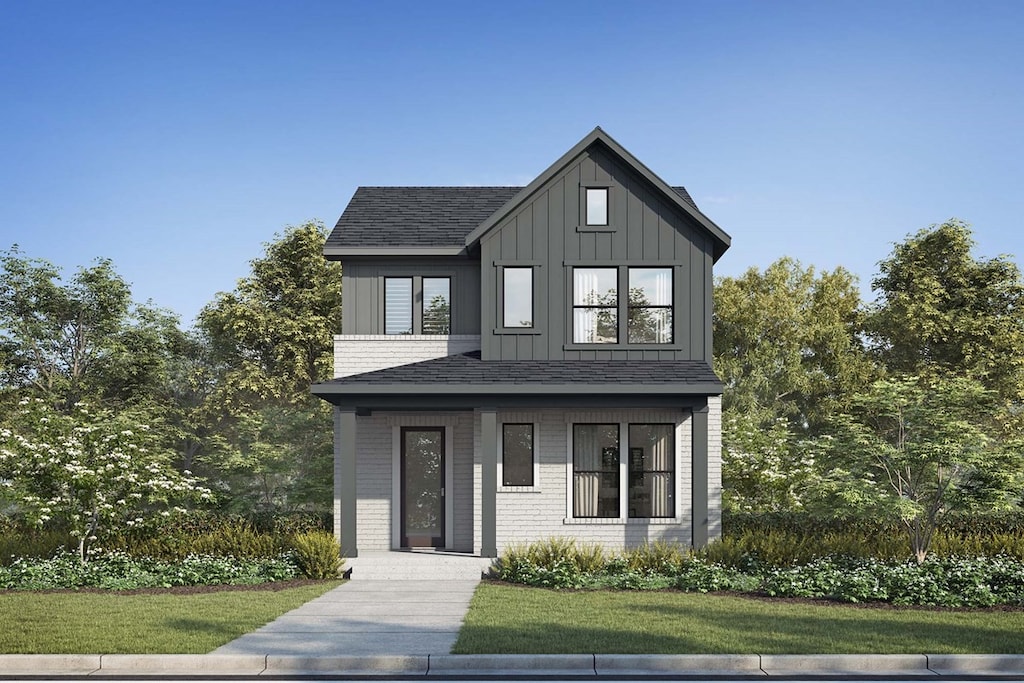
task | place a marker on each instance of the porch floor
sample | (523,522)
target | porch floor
(417,565)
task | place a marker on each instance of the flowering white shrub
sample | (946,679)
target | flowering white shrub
(90,470)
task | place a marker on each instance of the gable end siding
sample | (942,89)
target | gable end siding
(547,232)
(363,287)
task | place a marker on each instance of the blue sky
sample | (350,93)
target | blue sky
(177,137)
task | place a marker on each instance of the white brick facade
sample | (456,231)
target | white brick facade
(377,476)
(523,515)
(714,467)
(356,353)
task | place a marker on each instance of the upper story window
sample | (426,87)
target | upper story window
(517,297)
(437,311)
(649,319)
(597,206)
(398,305)
(600,316)
(595,306)
(432,316)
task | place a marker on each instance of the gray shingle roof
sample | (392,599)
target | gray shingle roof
(468,369)
(421,216)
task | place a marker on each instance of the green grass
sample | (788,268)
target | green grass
(514,619)
(113,623)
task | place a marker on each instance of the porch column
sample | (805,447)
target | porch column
(488,482)
(699,474)
(345,479)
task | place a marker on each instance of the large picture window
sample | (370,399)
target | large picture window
(595,301)
(595,469)
(650,306)
(651,470)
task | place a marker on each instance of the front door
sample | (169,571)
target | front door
(422,487)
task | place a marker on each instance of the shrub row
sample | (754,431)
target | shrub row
(119,571)
(951,581)
(312,554)
(197,533)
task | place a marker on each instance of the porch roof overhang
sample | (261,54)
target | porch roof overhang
(464,381)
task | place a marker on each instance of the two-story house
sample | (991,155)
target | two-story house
(518,363)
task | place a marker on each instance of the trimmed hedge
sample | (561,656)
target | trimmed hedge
(955,582)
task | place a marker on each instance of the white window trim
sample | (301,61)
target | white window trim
(536,458)
(396,479)
(624,517)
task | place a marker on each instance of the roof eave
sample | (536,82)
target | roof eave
(333,253)
(374,389)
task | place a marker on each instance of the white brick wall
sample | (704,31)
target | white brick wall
(527,515)
(373,483)
(524,516)
(714,467)
(356,353)
(375,504)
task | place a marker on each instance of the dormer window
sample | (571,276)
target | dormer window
(597,206)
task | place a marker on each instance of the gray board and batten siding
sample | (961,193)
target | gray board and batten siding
(547,232)
(363,287)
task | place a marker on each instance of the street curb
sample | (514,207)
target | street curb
(461,666)
(646,665)
(290,665)
(511,665)
(874,665)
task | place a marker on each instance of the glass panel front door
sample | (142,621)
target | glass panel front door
(422,487)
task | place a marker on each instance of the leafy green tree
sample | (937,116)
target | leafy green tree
(88,470)
(941,312)
(81,339)
(269,340)
(787,347)
(275,332)
(916,449)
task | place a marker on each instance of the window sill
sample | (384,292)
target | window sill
(596,228)
(519,489)
(516,330)
(619,521)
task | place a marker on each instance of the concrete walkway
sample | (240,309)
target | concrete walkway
(395,604)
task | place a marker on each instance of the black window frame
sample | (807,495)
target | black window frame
(533,455)
(423,304)
(412,305)
(631,472)
(604,473)
(574,306)
(587,189)
(417,308)
(533,302)
(671,307)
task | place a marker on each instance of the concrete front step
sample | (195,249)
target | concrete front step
(417,566)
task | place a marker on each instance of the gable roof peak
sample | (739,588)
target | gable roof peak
(721,239)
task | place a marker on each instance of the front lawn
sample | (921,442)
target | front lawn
(514,619)
(149,623)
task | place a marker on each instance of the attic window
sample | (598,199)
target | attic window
(597,206)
